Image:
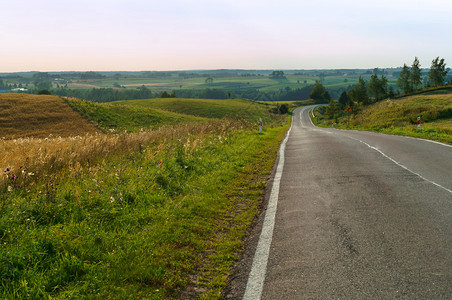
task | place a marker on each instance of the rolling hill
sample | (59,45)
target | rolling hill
(23,115)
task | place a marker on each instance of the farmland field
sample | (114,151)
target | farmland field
(252,84)
(263,83)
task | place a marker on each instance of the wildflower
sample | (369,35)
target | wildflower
(7,170)
(10,188)
(13,177)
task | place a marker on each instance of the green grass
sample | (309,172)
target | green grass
(129,117)
(206,108)
(163,219)
(400,117)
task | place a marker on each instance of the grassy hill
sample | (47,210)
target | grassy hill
(128,116)
(399,116)
(206,108)
(23,115)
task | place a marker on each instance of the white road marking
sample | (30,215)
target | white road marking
(402,166)
(259,268)
(430,141)
(393,160)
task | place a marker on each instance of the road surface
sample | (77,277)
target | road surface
(357,215)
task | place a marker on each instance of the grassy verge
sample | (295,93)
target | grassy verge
(141,216)
(399,117)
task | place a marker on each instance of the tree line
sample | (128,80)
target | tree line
(364,93)
(410,78)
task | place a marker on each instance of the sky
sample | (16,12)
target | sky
(148,35)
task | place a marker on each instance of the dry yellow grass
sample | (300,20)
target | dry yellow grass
(23,115)
(25,156)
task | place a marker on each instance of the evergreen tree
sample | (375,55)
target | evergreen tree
(403,82)
(332,109)
(359,92)
(391,93)
(437,72)
(344,99)
(415,74)
(319,93)
(378,87)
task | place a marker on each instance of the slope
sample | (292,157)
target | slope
(399,116)
(207,108)
(23,115)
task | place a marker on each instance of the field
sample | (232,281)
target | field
(263,83)
(154,212)
(252,84)
(399,116)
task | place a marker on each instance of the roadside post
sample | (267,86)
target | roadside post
(419,123)
(260,125)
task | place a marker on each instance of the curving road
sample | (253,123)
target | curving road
(352,215)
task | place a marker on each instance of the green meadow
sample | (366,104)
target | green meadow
(206,108)
(152,210)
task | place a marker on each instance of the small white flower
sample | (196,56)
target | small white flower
(10,188)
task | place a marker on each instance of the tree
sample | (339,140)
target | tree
(332,109)
(415,74)
(277,75)
(43,85)
(165,94)
(319,93)
(344,99)
(378,87)
(283,109)
(359,92)
(403,82)
(91,75)
(209,80)
(42,76)
(391,93)
(437,72)
(44,92)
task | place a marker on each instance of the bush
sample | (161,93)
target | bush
(283,109)
(44,92)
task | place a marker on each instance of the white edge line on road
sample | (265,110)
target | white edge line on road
(396,162)
(379,133)
(425,140)
(402,166)
(256,277)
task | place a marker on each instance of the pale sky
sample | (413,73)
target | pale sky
(137,35)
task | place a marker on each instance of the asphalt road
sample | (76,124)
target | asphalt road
(359,215)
